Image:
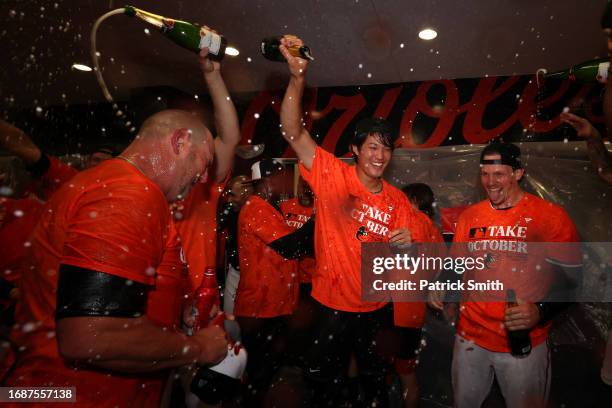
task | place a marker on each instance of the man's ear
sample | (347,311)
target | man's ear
(179,139)
(519,173)
(354,150)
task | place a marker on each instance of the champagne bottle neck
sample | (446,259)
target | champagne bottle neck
(153,19)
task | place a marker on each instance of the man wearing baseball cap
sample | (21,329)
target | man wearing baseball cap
(269,284)
(508,223)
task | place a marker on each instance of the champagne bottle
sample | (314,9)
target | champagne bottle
(205,298)
(212,384)
(519,340)
(270,50)
(589,71)
(187,35)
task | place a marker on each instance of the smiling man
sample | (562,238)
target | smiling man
(353,205)
(482,350)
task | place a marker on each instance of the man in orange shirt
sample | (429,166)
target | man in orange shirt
(269,285)
(298,211)
(353,205)
(100,308)
(505,226)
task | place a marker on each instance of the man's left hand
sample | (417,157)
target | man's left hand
(400,236)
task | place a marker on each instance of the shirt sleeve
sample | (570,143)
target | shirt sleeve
(325,170)
(264,221)
(120,231)
(562,247)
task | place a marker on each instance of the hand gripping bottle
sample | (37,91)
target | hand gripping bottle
(212,384)
(519,340)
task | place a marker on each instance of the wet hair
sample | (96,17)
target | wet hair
(379,127)
(510,154)
(422,195)
(606,18)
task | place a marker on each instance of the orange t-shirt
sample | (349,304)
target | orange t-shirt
(269,284)
(296,216)
(109,219)
(347,215)
(196,222)
(532,220)
(412,314)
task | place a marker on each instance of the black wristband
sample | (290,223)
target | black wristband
(39,168)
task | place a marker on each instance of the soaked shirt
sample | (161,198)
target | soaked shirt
(296,216)
(347,215)
(269,284)
(505,236)
(109,219)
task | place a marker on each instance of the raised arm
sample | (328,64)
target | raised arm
(226,118)
(18,143)
(291,109)
(599,155)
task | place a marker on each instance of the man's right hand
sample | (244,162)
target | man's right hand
(297,65)
(213,345)
(583,127)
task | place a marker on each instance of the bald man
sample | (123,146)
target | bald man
(101,308)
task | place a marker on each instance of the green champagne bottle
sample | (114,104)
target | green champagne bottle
(269,49)
(187,35)
(589,71)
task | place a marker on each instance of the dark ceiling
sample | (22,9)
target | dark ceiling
(354,42)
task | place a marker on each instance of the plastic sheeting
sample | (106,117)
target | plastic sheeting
(556,171)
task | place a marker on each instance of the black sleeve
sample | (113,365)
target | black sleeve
(84,292)
(565,284)
(298,244)
(39,168)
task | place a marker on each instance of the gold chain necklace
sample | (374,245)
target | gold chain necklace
(131,162)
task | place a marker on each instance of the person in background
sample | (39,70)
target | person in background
(108,235)
(598,153)
(238,191)
(268,289)
(50,171)
(422,198)
(297,212)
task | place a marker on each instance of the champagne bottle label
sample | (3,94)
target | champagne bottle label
(602,72)
(210,40)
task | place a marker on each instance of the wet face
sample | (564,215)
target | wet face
(238,193)
(372,157)
(97,158)
(500,182)
(193,163)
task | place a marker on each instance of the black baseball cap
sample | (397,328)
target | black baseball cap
(509,152)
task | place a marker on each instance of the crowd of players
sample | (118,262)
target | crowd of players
(101,263)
